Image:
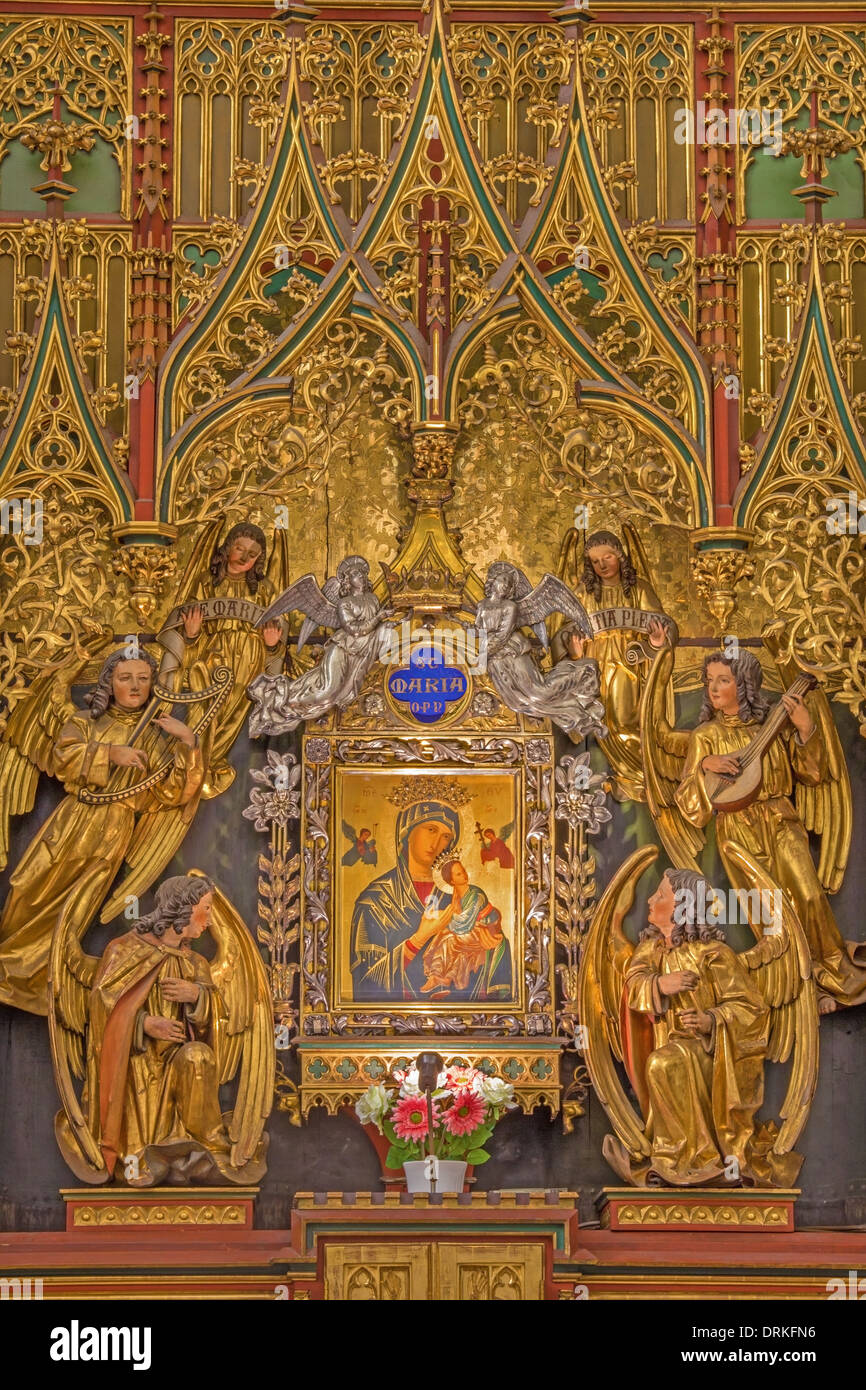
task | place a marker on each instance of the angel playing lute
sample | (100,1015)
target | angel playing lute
(152,1030)
(568,694)
(803,787)
(360,635)
(693,1024)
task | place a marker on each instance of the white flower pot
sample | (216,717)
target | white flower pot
(435,1175)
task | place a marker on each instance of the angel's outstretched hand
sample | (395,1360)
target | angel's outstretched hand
(192,620)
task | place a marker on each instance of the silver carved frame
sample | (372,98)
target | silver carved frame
(532,756)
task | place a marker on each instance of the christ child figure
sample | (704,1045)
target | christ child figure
(468,928)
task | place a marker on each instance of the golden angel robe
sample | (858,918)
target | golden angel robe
(771,831)
(233,643)
(152,1104)
(703,1092)
(621,684)
(82,846)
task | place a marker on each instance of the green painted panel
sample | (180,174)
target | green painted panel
(19,172)
(96,175)
(770,181)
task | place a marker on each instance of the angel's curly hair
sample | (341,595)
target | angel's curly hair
(347,567)
(502,567)
(175,900)
(219,563)
(99,698)
(627,571)
(690,891)
(752,704)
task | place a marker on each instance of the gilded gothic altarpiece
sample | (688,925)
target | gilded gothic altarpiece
(427,458)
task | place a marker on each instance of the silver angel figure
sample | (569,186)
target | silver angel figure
(569,694)
(360,636)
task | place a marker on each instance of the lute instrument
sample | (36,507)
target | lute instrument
(734,792)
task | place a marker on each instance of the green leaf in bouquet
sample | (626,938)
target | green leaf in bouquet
(476,1156)
(451,1146)
(398,1154)
(480,1135)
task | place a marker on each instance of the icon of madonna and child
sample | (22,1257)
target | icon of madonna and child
(423,931)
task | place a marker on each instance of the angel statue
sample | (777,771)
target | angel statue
(216,620)
(693,1024)
(360,636)
(569,693)
(611,582)
(133,778)
(768,778)
(153,1029)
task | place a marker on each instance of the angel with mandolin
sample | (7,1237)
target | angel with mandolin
(769,776)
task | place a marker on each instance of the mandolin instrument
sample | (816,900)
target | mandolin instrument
(734,792)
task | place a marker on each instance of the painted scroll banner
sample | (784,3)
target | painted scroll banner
(240,610)
(632,620)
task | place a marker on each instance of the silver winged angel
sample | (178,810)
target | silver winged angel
(360,636)
(569,694)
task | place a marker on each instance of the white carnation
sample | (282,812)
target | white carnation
(496,1091)
(374,1105)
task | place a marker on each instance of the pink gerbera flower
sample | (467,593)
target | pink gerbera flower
(410,1117)
(466,1113)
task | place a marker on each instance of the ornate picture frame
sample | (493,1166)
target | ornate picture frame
(505,1034)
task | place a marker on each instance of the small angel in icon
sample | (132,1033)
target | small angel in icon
(362,846)
(495,847)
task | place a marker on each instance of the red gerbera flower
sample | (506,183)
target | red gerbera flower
(410,1117)
(466,1114)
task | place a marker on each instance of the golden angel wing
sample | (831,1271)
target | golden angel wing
(599,992)
(246,1032)
(70,977)
(27,746)
(278,561)
(663,752)
(196,575)
(640,560)
(159,833)
(780,964)
(158,836)
(637,554)
(825,810)
(569,566)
